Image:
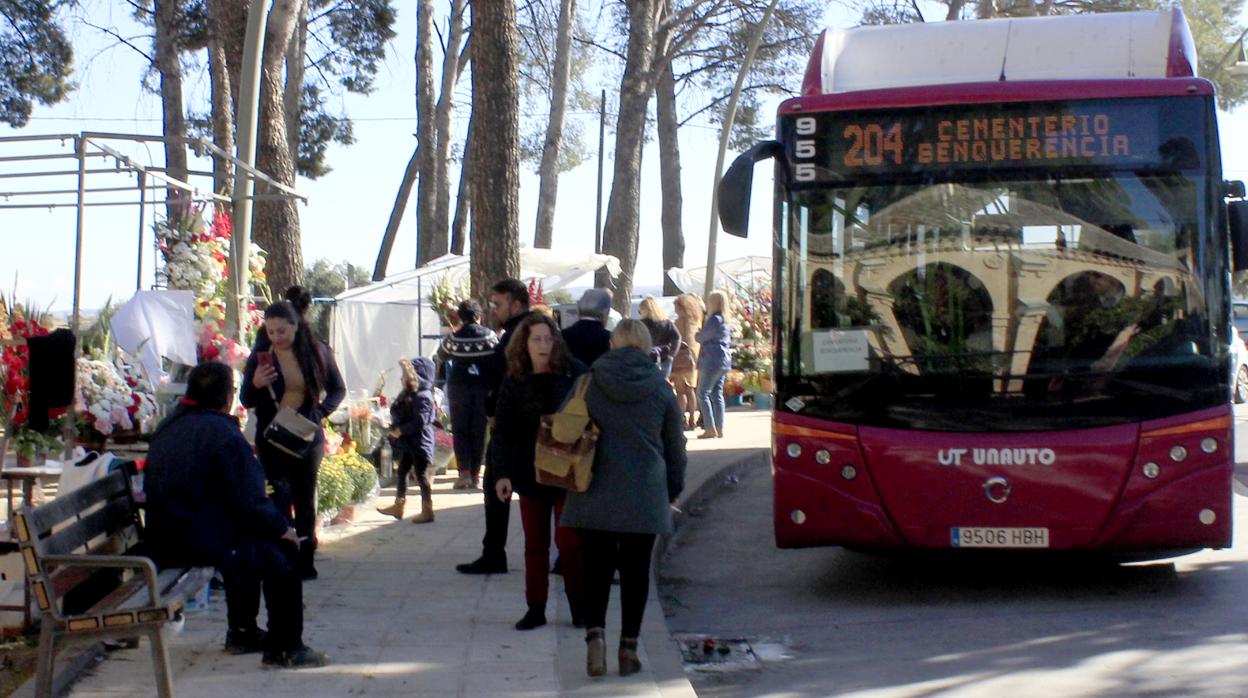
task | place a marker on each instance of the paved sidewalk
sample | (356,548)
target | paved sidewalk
(397,619)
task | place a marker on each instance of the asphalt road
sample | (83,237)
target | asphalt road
(826,621)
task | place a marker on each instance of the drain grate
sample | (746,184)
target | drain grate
(709,653)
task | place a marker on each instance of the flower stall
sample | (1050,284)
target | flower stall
(752,351)
(17,324)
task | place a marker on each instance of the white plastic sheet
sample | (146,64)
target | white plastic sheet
(155,324)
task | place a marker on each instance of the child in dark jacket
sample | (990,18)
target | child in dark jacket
(411,436)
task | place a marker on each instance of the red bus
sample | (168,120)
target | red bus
(1002,302)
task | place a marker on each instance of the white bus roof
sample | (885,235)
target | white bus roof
(1067,47)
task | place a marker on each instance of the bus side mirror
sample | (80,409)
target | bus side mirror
(1237,215)
(737,183)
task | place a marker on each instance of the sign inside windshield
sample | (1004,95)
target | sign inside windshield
(833,146)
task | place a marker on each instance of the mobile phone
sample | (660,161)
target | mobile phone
(264,358)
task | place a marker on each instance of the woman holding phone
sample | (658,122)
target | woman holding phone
(298,371)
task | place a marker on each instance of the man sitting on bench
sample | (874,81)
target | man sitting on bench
(206,506)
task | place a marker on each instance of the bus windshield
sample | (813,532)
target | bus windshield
(1000,299)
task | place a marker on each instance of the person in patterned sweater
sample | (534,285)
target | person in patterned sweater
(468,359)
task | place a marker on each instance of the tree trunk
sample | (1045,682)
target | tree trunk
(463,200)
(222,114)
(549,172)
(229,20)
(426,135)
(496,130)
(396,216)
(292,93)
(452,65)
(619,234)
(669,174)
(277,220)
(170,68)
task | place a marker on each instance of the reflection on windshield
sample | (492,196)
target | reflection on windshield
(1036,294)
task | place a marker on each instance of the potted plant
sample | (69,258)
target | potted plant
(758,384)
(733,388)
(345,479)
(32,447)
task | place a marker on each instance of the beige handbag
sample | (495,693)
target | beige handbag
(566,443)
(290,432)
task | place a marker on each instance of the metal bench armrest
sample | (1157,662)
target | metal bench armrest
(135,562)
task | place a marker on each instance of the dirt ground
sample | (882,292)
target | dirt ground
(17,663)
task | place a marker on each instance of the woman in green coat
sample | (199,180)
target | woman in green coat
(639,470)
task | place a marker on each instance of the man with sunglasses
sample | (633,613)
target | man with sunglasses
(509,302)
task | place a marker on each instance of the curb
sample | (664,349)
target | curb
(668,666)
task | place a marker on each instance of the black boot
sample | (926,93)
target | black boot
(533,618)
(483,565)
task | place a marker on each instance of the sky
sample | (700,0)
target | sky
(347,209)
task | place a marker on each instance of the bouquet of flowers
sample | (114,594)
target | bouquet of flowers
(196,256)
(445,300)
(14,359)
(108,401)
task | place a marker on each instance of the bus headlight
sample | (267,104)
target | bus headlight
(1178,454)
(1151,471)
(1209,444)
(793,449)
(849,472)
(822,457)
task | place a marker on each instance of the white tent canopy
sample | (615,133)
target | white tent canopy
(376,325)
(743,272)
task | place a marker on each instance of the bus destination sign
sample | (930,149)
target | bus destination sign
(834,145)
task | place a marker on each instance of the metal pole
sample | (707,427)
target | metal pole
(138,274)
(71,415)
(80,147)
(248,105)
(600,277)
(712,234)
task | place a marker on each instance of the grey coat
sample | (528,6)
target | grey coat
(639,467)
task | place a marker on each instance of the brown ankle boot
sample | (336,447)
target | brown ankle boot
(629,663)
(595,652)
(396,509)
(426,510)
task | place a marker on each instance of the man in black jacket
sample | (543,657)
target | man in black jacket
(588,337)
(509,300)
(206,506)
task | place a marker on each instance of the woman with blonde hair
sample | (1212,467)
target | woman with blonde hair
(685,362)
(663,334)
(639,470)
(714,362)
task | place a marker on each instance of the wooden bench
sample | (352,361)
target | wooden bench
(88,581)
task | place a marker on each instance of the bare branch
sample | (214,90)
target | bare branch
(120,39)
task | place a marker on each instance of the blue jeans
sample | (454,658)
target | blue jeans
(711,398)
